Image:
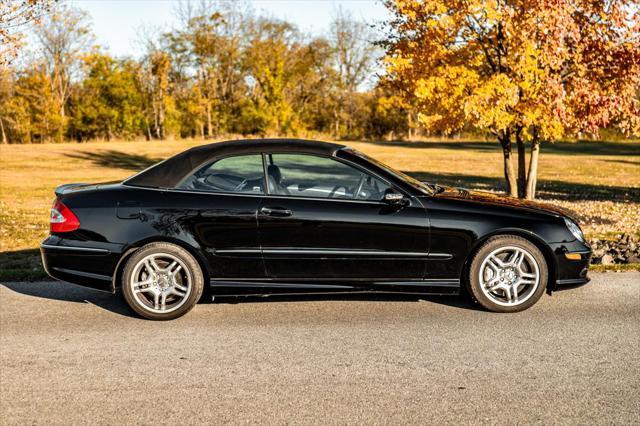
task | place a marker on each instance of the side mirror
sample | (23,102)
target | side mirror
(395,198)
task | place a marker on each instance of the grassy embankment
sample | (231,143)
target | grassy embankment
(600,181)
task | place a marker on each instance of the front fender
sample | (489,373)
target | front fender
(547,251)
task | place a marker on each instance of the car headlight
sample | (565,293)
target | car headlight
(574,229)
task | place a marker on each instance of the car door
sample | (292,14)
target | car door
(324,218)
(216,206)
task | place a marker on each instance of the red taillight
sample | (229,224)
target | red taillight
(62,218)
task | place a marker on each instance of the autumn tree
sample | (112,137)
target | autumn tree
(207,57)
(354,57)
(526,71)
(32,114)
(110,101)
(6,95)
(15,16)
(159,64)
(269,60)
(64,36)
(388,115)
(312,84)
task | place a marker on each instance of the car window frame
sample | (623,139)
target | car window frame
(339,160)
(215,160)
(266,192)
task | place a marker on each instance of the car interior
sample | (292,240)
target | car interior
(241,174)
(300,175)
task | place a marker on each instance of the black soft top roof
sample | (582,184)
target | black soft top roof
(168,173)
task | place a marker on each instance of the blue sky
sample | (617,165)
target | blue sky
(116,23)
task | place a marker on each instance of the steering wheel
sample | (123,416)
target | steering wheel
(360,185)
(335,188)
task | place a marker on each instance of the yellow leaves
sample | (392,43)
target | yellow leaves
(404,7)
(388,103)
(435,121)
(491,10)
(497,65)
(492,103)
(557,67)
(397,63)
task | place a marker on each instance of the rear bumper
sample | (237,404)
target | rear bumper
(80,263)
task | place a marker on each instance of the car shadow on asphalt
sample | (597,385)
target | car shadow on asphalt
(461,302)
(66,292)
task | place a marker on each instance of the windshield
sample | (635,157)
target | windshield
(421,186)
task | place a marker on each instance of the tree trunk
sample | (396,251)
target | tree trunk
(509,174)
(4,135)
(532,178)
(522,163)
(161,108)
(156,122)
(209,125)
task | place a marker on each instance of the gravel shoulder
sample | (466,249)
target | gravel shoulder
(70,355)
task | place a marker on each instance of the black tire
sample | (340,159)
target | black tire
(490,301)
(188,277)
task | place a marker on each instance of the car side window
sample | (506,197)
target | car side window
(239,174)
(303,175)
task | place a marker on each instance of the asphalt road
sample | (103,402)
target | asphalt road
(71,355)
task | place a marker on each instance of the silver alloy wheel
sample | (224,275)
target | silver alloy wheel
(161,283)
(509,276)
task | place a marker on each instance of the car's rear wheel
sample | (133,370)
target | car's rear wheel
(508,274)
(162,281)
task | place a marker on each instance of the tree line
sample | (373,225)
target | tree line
(525,72)
(223,70)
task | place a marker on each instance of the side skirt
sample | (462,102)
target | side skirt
(263,287)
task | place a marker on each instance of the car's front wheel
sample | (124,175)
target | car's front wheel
(162,281)
(507,274)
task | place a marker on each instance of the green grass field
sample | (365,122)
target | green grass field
(599,181)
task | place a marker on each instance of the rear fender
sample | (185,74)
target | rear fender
(132,248)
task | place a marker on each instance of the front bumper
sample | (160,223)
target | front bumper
(572,262)
(88,264)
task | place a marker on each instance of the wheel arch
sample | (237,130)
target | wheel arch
(132,248)
(529,236)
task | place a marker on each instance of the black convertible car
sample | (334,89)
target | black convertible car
(292,216)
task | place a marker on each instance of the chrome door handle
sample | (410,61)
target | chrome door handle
(275,211)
